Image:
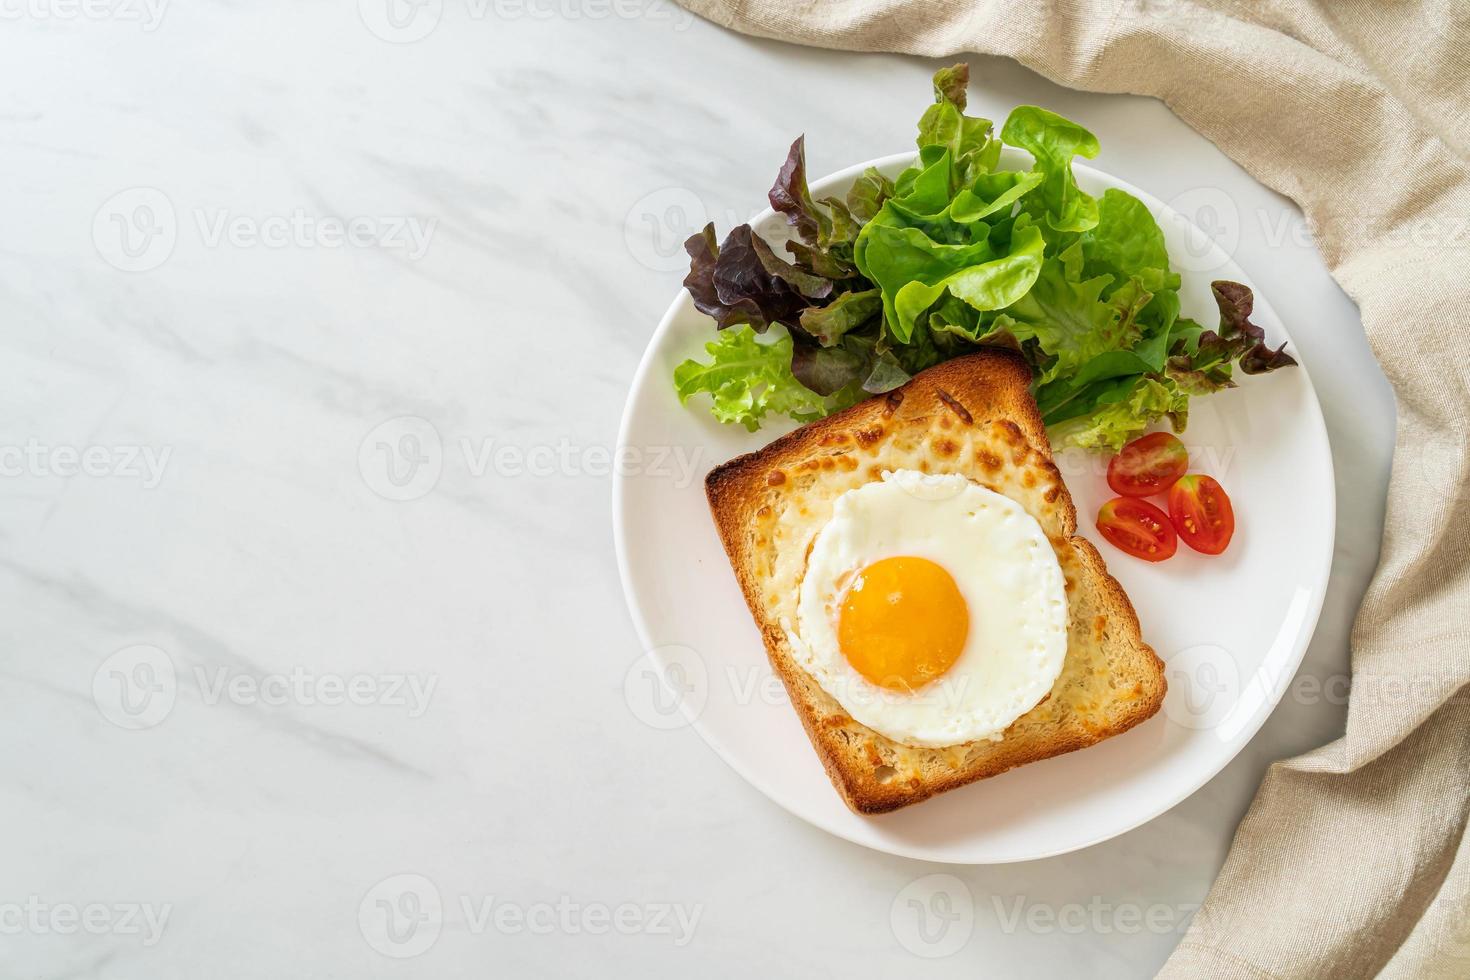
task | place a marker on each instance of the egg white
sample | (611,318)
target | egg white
(1005,570)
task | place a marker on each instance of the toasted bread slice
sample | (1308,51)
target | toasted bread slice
(974,416)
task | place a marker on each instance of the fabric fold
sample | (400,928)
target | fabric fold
(1352,860)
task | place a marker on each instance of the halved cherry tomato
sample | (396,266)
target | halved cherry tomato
(1148,465)
(1137,527)
(1201,513)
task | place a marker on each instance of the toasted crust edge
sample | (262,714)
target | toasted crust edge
(1001,379)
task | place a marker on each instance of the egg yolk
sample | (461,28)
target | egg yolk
(902,623)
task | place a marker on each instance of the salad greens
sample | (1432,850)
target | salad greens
(954,255)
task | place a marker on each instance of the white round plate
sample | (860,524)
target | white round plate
(1232,630)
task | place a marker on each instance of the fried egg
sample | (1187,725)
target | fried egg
(932,609)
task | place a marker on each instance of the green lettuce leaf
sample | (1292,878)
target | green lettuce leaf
(990,285)
(953,255)
(867,194)
(827,324)
(1053,141)
(921,247)
(991,194)
(970,140)
(892,256)
(1126,240)
(924,190)
(1137,407)
(749,380)
(1068,318)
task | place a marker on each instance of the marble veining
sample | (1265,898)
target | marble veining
(335,686)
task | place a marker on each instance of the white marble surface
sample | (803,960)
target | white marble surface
(548,159)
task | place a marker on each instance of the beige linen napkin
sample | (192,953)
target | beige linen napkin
(1353,860)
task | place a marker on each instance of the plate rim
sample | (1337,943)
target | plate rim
(900,848)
